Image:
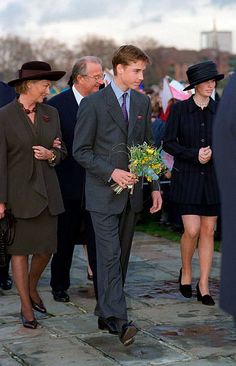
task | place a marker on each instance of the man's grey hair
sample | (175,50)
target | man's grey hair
(80,67)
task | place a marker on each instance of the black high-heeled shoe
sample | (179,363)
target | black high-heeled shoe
(30,324)
(185,290)
(38,307)
(206,299)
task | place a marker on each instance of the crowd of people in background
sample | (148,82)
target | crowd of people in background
(61,152)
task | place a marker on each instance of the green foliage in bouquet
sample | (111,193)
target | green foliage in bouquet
(146,161)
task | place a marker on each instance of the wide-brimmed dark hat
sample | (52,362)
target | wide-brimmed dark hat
(37,70)
(201,72)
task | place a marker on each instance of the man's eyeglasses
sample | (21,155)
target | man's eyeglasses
(95,77)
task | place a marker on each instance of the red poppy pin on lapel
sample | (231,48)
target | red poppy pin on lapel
(45,118)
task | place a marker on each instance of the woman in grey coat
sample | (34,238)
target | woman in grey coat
(30,148)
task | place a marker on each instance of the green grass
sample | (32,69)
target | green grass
(153,228)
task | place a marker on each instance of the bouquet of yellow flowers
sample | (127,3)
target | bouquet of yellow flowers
(145,162)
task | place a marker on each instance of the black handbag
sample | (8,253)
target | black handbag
(7,235)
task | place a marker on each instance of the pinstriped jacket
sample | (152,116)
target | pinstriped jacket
(188,129)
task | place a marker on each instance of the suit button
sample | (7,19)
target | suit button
(202,124)
(202,173)
(202,140)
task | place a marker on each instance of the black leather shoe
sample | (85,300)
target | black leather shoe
(206,299)
(186,290)
(128,332)
(6,283)
(107,324)
(38,307)
(61,296)
(30,324)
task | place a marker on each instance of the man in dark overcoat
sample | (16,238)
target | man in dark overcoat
(224,149)
(86,78)
(107,123)
(7,94)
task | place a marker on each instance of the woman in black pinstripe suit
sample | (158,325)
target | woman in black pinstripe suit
(194,187)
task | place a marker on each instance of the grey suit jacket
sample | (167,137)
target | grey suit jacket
(100,145)
(28,185)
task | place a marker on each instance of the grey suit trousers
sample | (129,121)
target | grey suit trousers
(113,234)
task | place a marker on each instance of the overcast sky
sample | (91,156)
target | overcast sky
(175,23)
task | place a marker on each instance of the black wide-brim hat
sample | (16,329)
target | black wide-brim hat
(37,70)
(201,72)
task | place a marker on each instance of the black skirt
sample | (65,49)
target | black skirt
(200,209)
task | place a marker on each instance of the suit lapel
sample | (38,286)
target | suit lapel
(72,103)
(133,112)
(41,118)
(23,127)
(114,108)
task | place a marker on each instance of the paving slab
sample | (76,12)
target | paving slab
(7,360)
(56,351)
(72,325)
(222,361)
(200,340)
(174,331)
(146,349)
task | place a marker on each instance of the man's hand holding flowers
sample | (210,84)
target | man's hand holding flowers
(124,178)
(145,162)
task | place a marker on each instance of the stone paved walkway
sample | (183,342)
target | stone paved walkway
(173,330)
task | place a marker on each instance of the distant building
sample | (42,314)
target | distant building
(173,62)
(218,40)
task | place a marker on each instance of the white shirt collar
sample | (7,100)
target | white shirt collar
(77,95)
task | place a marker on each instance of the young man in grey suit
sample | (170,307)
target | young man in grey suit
(107,123)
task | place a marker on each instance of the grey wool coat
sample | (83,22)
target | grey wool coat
(28,185)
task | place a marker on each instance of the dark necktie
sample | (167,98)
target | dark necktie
(124,109)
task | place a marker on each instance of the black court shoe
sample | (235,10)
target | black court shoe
(30,324)
(186,290)
(38,306)
(206,299)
